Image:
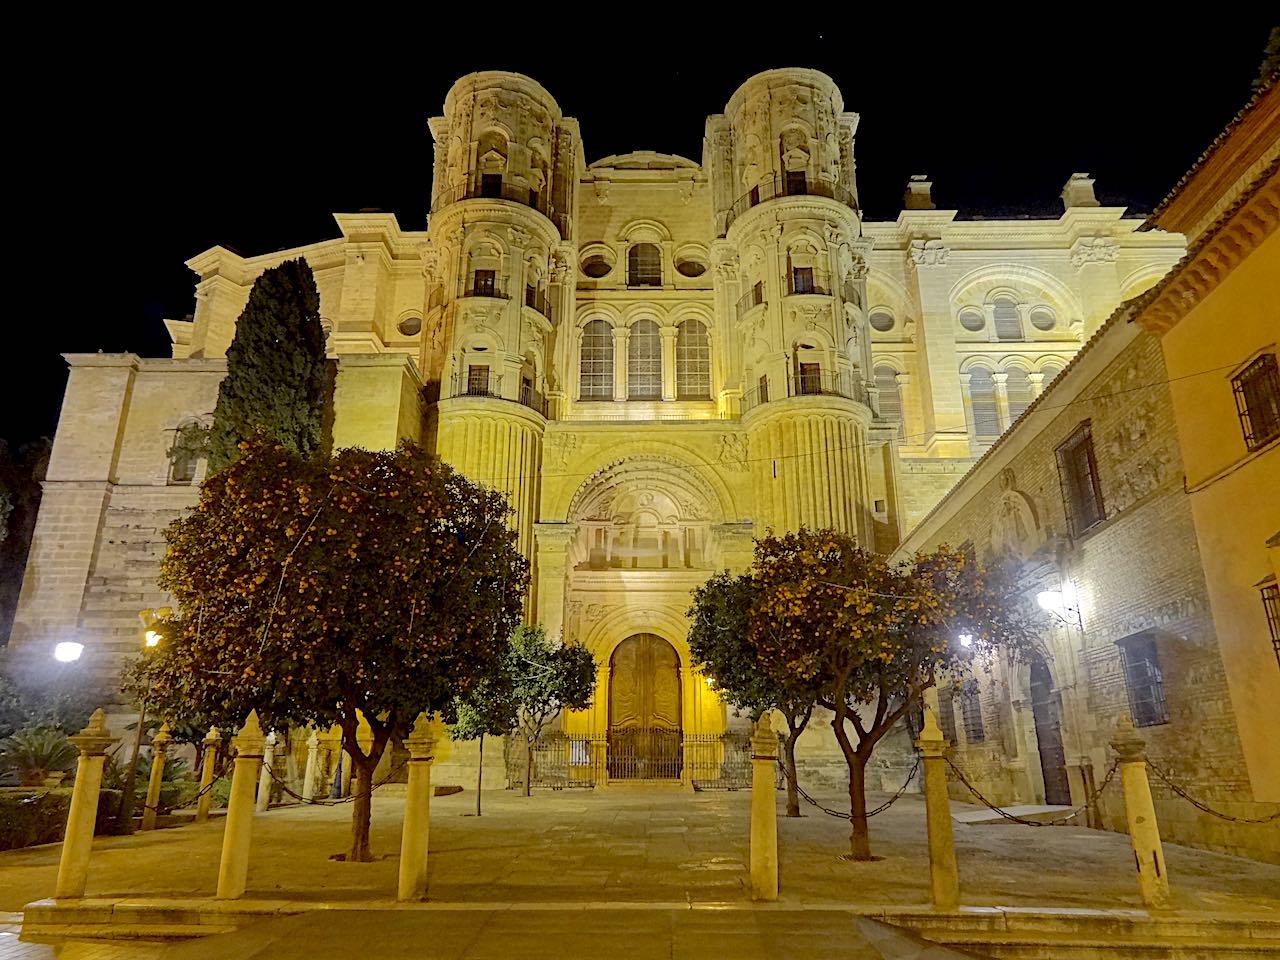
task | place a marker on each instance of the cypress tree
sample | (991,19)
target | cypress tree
(277,379)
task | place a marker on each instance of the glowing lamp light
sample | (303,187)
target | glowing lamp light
(152,638)
(966,640)
(1051,600)
(711,683)
(68,651)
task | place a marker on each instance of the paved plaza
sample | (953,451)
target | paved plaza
(620,860)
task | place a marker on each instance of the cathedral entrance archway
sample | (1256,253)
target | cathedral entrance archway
(645,730)
(1045,712)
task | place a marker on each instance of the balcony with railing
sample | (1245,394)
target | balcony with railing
(478,382)
(790,186)
(537,300)
(483,283)
(753,298)
(491,187)
(806,384)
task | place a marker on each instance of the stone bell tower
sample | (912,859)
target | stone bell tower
(792,276)
(499,279)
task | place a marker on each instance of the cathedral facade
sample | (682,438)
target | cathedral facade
(657,359)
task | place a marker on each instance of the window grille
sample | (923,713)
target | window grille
(795,183)
(764,389)
(596,363)
(644,265)
(1017,392)
(982,401)
(693,361)
(947,715)
(802,279)
(184,460)
(1078,475)
(1271,604)
(477,380)
(483,284)
(644,362)
(890,397)
(491,185)
(1143,680)
(971,708)
(810,379)
(1257,392)
(1008,323)
(757,293)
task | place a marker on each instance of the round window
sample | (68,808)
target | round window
(410,326)
(596,266)
(972,320)
(689,267)
(1042,318)
(882,321)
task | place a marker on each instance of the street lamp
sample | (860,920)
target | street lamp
(150,640)
(966,639)
(1063,603)
(68,651)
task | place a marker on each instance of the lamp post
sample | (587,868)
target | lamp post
(150,639)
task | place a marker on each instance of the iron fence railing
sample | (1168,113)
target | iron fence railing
(753,298)
(475,383)
(489,189)
(538,300)
(788,187)
(806,385)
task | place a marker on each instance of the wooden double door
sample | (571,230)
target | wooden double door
(645,735)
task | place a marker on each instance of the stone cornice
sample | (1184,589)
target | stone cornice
(1239,232)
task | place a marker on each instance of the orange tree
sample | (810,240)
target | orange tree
(368,587)
(872,636)
(721,642)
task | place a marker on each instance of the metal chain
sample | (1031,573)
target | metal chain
(1060,821)
(199,793)
(842,814)
(327,802)
(1202,806)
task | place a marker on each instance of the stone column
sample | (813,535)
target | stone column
(313,763)
(417,812)
(620,337)
(264,775)
(1037,383)
(1140,811)
(212,743)
(942,401)
(77,842)
(159,746)
(1000,385)
(552,544)
(669,385)
(943,876)
(764,812)
(233,871)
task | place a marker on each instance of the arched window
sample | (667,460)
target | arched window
(644,265)
(1018,391)
(982,397)
(190,446)
(644,362)
(693,361)
(596,365)
(890,397)
(1008,322)
(1050,371)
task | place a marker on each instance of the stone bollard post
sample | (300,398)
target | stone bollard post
(212,743)
(1144,832)
(764,812)
(233,871)
(264,775)
(943,876)
(159,747)
(313,763)
(73,868)
(417,812)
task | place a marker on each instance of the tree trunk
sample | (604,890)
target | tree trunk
(479,774)
(789,763)
(859,838)
(528,765)
(361,808)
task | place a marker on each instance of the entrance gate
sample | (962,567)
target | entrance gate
(645,740)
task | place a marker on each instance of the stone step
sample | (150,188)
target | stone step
(977,816)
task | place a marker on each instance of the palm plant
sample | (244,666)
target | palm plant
(37,753)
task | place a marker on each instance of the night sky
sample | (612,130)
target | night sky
(254,140)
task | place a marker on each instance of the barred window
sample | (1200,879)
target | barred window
(1143,680)
(947,715)
(596,364)
(796,183)
(693,361)
(1078,475)
(890,397)
(1018,392)
(478,380)
(1257,392)
(644,265)
(483,283)
(1271,604)
(982,400)
(1008,322)
(644,361)
(971,708)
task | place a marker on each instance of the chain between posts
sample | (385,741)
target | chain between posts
(333,803)
(840,813)
(1199,805)
(202,791)
(1060,821)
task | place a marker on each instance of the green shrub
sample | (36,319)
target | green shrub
(177,787)
(30,817)
(36,754)
(220,792)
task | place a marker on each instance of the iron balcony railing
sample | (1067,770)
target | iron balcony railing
(488,190)
(477,384)
(788,187)
(535,298)
(807,385)
(754,297)
(806,285)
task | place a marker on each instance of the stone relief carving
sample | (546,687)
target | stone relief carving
(561,447)
(1094,250)
(1015,523)
(929,253)
(519,236)
(733,452)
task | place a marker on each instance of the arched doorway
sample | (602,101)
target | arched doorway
(645,734)
(1053,759)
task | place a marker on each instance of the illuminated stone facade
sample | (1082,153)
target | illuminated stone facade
(657,359)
